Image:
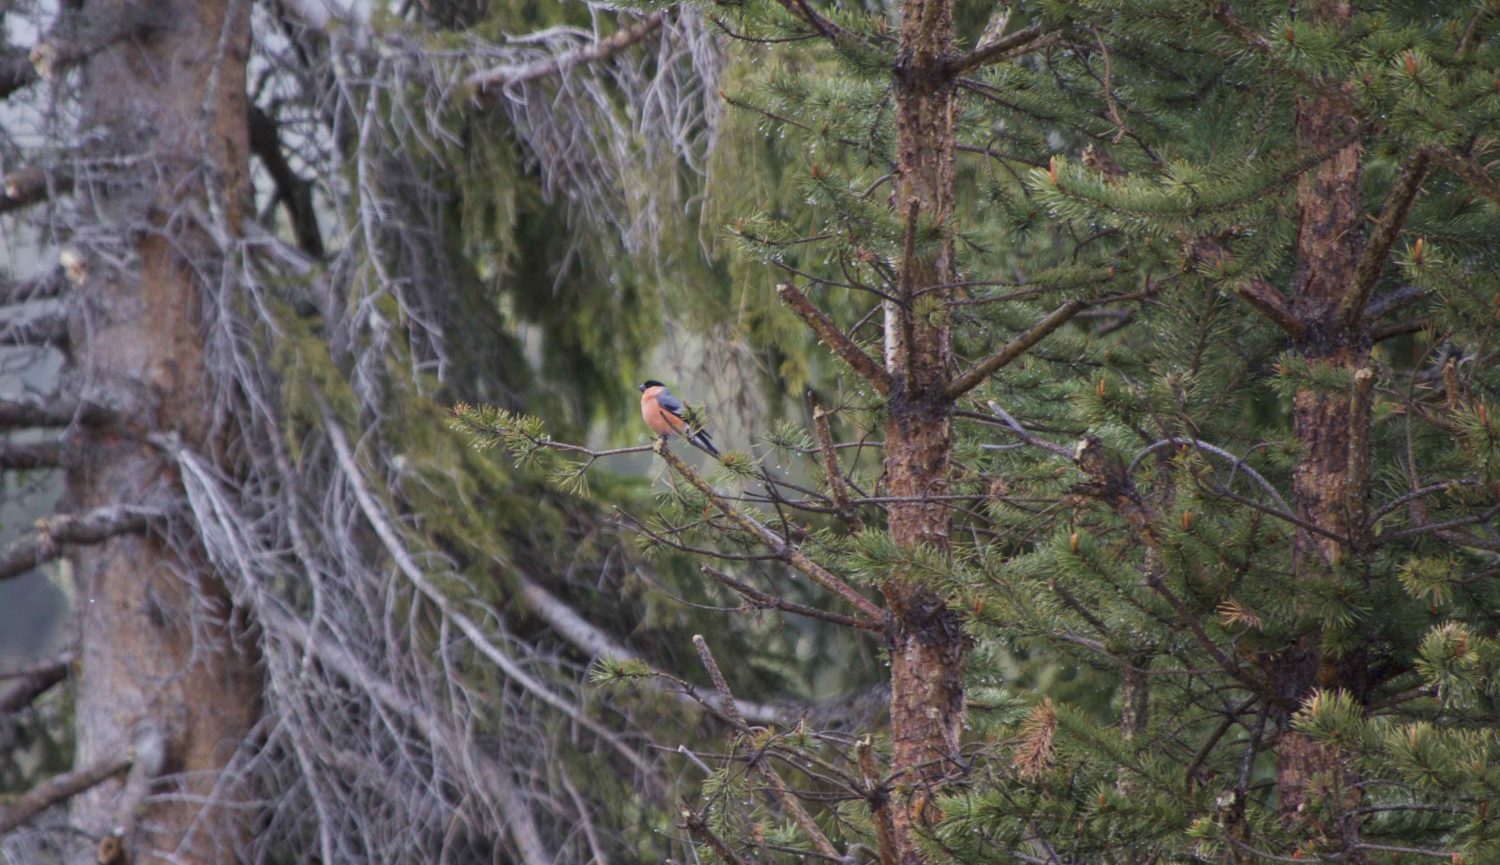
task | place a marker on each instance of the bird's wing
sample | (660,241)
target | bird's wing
(669,402)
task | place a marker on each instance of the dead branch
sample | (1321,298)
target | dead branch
(16,71)
(32,455)
(1019,42)
(765,601)
(296,193)
(830,335)
(46,666)
(49,327)
(1266,300)
(491,80)
(79,36)
(1383,236)
(58,789)
(22,692)
(49,412)
(53,532)
(581,633)
(53,284)
(836,486)
(773,780)
(1013,349)
(375,515)
(789,552)
(28,186)
(878,798)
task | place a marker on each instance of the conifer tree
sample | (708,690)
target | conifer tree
(1185,515)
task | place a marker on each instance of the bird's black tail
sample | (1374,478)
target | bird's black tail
(704,443)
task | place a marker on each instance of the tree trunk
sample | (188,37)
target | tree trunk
(161,655)
(926,639)
(1330,213)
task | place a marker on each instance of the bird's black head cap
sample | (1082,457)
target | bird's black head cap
(651,383)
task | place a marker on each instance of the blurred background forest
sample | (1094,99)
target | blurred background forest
(1119,437)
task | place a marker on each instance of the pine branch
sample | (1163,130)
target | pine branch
(1021,41)
(1469,171)
(1383,236)
(52,533)
(830,335)
(698,828)
(801,9)
(491,80)
(60,788)
(765,601)
(773,780)
(788,552)
(1013,349)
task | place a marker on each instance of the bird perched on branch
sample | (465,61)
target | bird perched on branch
(667,416)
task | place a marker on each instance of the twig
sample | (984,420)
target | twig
(1013,349)
(762,600)
(793,556)
(836,486)
(764,769)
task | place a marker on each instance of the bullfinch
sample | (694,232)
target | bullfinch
(663,412)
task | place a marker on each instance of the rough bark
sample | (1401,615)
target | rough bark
(1330,214)
(925,635)
(159,650)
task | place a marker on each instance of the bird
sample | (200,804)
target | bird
(664,413)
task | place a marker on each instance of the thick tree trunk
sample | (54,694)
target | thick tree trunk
(926,640)
(1330,213)
(159,654)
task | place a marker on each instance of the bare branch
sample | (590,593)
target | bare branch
(581,633)
(1021,41)
(836,486)
(1013,349)
(1383,236)
(1265,299)
(698,828)
(295,192)
(831,336)
(20,693)
(28,186)
(16,71)
(793,556)
(53,532)
(481,641)
(79,36)
(879,800)
(492,80)
(32,455)
(60,788)
(46,666)
(48,327)
(56,411)
(26,290)
(773,780)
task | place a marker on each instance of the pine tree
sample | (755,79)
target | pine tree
(1185,519)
